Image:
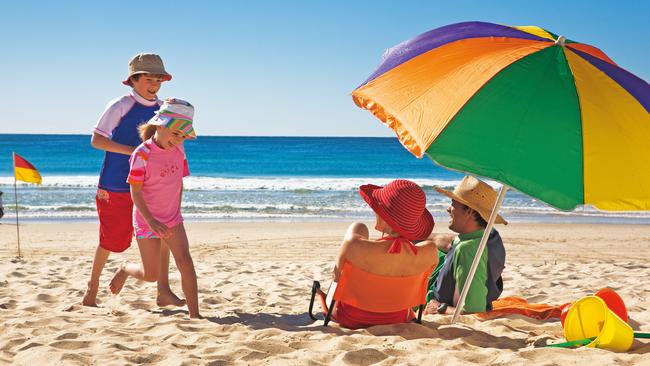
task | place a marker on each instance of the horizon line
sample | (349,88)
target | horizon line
(282,136)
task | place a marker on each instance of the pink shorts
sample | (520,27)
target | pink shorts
(143,231)
(115,228)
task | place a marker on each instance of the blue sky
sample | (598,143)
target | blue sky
(256,67)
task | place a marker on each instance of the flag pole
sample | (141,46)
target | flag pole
(16,200)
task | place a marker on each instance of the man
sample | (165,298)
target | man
(471,205)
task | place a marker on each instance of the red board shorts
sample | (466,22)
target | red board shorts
(115,210)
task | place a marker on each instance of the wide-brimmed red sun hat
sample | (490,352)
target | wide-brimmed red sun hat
(402,204)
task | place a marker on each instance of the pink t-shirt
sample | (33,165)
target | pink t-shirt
(161,174)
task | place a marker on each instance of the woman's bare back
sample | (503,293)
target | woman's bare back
(373,256)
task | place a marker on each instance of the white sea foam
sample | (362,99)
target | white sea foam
(239,184)
(72,197)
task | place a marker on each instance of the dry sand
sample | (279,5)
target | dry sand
(254,287)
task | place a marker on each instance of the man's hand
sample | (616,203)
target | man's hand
(442,241)
(432,307)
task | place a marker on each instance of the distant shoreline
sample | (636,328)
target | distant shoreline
(440,221)
(220,136)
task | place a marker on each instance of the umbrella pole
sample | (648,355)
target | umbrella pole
(479,252)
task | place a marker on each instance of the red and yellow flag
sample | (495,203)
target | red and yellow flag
(25,171)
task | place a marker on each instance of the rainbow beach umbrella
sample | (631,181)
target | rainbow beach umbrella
(554,118)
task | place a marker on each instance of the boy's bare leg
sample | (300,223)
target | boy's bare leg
(165,295)
(90,296)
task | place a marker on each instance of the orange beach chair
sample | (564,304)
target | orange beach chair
(371,292)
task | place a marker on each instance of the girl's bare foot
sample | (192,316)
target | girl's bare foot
(90,297)
(196,316)
(118,280)
(168,298)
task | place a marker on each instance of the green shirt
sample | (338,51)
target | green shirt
(465,249)
(431,286)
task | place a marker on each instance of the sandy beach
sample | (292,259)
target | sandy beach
(254,287)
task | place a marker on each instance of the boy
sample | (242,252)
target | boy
(116,133)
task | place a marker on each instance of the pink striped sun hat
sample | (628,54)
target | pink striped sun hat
(176,114)
(402,204)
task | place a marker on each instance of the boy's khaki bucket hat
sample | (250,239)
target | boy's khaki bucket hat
(147,63)
(475,194)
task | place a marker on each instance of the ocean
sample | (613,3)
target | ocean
(257,178)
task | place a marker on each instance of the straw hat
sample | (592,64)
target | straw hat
(175,114)
(477,195)
(147,63)
(402,204)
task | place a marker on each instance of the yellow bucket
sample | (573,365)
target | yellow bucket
(590,317)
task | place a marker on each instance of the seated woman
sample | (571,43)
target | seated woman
(402,217)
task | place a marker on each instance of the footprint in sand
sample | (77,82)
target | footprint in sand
(144,359)
(45,298)
(79,359)
(70,345)
(67,336)
(255,355)
(363,357)
(30,345)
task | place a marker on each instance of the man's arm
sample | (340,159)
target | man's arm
(104,143)
(442,241)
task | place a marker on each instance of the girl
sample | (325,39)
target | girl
(157,168)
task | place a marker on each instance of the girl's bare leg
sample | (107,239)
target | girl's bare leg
(165,295)
(179,246)
(90,296)
(147,271)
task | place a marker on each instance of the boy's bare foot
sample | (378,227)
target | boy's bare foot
(90,296)
(118,280)
(168,298)
(196,316)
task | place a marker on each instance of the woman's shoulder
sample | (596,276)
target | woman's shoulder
(376,258)
(427,245)
(425,242)
(365,246)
